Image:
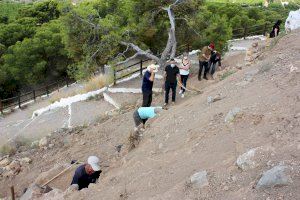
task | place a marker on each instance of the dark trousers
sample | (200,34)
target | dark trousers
(184,79)
(206,69)
(213,67)
(137,119)
(169,86)
(147,99)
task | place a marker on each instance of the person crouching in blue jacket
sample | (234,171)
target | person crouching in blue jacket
(141,115)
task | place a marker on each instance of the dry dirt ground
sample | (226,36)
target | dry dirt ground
(192,136)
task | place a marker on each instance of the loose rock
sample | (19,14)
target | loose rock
(199,179)
(26,160)
(43,142)
(277,176)
(15,166)
(34,144)
(232,114)
(4,162)
(245,161)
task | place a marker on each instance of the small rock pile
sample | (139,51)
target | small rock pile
(10,167)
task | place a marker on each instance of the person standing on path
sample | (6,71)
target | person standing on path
(184,70)
(147,84)
(171,75)
(204,59)
(276,29)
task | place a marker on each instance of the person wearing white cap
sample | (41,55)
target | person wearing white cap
(147,84)
(86,173)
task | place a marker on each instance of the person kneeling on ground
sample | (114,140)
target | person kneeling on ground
(141,115)
(86,174)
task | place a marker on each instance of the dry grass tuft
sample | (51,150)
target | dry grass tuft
(62,94)
(96,83)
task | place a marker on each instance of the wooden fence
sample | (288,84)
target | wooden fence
(32,95)
(122,72)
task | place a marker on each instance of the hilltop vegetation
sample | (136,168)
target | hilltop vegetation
(253,1)
(47,40)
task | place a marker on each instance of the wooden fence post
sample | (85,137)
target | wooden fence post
(67,82)
(115,77)
(34,97)
(19,99)
(12,190)
(141,68)
(245,32)
(1,107)
(47,91)
(58,86)
(265,29)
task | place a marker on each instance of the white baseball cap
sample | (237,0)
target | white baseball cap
(93,161)
(154,67)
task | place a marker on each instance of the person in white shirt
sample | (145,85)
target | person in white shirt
(184,70)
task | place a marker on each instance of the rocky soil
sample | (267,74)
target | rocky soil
(239,139)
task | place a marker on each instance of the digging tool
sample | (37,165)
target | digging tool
(192,89)
(73,163)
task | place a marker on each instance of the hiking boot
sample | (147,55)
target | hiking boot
(205,78)
(180,91)
(173,103)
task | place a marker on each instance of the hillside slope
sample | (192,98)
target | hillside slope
(193,136)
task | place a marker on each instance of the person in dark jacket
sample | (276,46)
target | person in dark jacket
(147,85)
(171,76)
(276,29)
(204,58)
(214,59)
(86,174)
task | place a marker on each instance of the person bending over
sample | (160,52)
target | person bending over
(141,115)
(86,174)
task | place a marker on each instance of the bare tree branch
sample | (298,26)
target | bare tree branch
(128,59)
(141,52)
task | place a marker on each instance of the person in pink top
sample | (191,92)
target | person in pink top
(184,70)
